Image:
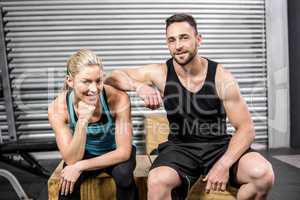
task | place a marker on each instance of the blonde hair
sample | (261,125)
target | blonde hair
(80,60)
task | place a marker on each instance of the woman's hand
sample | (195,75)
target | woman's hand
(68,177)
(85,111)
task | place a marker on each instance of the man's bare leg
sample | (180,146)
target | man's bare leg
(161,181)
(256,175)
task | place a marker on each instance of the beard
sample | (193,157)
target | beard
(188,58)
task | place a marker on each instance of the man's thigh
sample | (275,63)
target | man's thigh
(177,157)
(179,160)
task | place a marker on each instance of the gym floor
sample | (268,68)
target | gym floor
(286,164)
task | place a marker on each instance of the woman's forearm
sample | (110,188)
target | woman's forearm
(76,148)
(105,160)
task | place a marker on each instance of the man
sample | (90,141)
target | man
(197,94)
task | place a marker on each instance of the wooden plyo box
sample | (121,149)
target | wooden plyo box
(102,187)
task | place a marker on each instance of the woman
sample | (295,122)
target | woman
(92,126)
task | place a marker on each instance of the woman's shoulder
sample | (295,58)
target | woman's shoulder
(59,105)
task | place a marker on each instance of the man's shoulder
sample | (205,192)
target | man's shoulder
(225,82)
(211,60)
(223,74)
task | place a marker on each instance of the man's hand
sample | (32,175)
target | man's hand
(68,177)
(85,111)
(217,178)
(150,96)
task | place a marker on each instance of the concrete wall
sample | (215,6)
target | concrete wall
(278,73)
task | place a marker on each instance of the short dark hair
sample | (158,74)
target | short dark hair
(182,17)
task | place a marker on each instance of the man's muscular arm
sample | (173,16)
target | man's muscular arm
(240,118)
(141,80)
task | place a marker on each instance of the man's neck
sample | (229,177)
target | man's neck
(194,68)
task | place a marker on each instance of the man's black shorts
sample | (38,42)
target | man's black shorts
(191,160)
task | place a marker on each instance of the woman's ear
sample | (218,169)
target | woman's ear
(69,81)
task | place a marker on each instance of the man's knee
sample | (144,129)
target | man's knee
(266,178)
(154,181)
(159,180)
(263,176)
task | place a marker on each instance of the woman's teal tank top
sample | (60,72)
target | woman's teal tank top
(101,134)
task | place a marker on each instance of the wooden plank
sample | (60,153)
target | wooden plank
(143,165)
(157,131)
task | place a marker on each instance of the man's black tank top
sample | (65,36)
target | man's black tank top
(194,117)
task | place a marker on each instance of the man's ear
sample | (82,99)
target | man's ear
(69,81)
(199,39)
